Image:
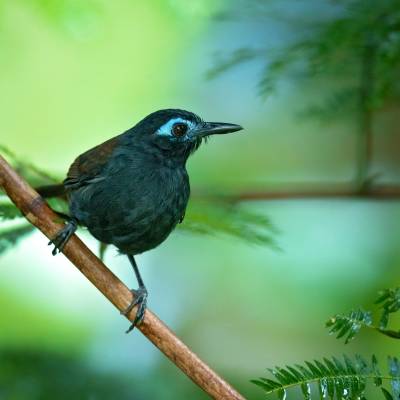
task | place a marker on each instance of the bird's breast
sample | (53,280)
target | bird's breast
(136,212)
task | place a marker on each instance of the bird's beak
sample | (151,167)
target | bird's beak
(215,128)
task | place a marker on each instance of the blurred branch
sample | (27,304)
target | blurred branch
(39,214)
(383,192)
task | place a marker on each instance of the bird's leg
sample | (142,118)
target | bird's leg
(62,215)
(140,297)
(64,234)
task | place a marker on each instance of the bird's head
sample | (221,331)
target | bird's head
(178,133)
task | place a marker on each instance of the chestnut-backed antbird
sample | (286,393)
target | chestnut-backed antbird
(132,190)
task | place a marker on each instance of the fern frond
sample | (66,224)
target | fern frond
(389,301)
(237,57)
(34,175)
(11,236)
(9,211)
(348,326)
(340,103)
(336,379)
(212,218)
(394,370)
(328,48)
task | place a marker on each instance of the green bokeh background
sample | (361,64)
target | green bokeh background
(73,74)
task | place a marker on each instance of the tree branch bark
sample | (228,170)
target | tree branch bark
(39,214)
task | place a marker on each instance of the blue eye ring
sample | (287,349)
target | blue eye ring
(179,129)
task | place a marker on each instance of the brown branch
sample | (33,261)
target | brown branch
(381,192)
(39,214)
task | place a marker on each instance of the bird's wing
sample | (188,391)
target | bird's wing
(88,166)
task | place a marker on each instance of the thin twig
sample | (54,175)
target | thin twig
(378,192)
(39,214)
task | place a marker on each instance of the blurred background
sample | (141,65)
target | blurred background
(314,83)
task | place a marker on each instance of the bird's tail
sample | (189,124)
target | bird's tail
(56,190)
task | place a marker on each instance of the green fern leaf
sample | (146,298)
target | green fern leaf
(394,371)
(386,394)
(10,237)
(210,217)
(348,326)
(9,211)
(389,301)
(306,390)
(34,175)
(336,379)
(237,57)
(376,371)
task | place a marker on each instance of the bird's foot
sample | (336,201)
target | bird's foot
(140,300)
(63,236)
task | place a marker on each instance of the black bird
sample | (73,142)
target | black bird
(132,190)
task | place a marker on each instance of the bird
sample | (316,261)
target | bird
(132,190)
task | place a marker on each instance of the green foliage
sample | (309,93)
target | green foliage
(9,237)
(357,46)
(340,104)
(348,326)
(389,301)
(29,374)
(37,373)
(11,234)
(34,175)
(334,378)
(237,57)
(345,379)
(9,211)
(213,217)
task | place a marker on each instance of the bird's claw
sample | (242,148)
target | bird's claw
(140,300)
(62,237)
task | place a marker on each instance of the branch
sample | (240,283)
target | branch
(381,192)
(39,214)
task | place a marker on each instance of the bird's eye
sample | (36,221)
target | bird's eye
(179,129)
